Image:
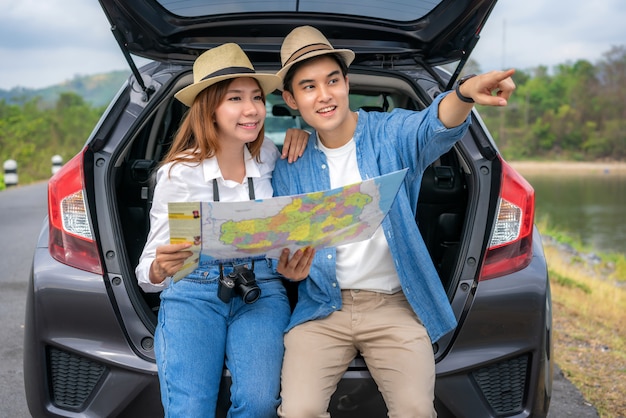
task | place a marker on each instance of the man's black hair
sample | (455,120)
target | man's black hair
(287,82)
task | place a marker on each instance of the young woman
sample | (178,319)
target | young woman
(218,154)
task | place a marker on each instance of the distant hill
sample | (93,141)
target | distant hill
(98,90)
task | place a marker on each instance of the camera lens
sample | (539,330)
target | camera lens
(245,284)
(250,294)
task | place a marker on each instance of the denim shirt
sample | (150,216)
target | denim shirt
(385,142)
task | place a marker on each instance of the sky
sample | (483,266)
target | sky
(43,43)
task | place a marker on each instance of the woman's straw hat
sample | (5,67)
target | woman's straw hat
(307,42)
(222,63)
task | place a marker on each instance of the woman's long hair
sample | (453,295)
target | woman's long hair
(197,136)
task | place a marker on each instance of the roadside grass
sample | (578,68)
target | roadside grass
(589,315)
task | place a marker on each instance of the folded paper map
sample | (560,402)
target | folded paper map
(224,232)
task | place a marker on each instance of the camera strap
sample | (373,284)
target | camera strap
(216,198)
(216,191)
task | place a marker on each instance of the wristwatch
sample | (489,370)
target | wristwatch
(462,80)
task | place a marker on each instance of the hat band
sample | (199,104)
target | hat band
(305,50)
(229,70)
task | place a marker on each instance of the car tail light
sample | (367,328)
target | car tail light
(510,246)
(71,239)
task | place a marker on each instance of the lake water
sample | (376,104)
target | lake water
(590,207)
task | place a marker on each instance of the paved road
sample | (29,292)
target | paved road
(567,402)
(22,210)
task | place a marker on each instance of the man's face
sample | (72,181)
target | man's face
(320,94)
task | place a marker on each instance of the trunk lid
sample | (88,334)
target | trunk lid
(431,31)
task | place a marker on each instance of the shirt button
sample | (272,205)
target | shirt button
(334,284)
(323,166)
(334,307)
(329,256)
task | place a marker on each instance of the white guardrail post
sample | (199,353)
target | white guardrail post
(57,163)
(10,173)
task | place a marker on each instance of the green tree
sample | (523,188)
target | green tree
(32,133)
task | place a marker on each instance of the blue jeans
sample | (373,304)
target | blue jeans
(197,333)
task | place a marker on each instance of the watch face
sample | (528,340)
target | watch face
(465,78)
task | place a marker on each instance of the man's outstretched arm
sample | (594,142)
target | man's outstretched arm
(490,89)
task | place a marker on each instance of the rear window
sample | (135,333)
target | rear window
(396,10)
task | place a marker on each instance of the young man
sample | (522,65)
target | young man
(382,297)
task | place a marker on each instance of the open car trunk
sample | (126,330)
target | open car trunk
(441,214)
(442,201)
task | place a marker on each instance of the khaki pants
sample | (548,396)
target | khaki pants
(389,336)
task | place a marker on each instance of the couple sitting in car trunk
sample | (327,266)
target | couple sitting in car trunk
(381,297)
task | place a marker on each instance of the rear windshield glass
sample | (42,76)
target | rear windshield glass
(396,10)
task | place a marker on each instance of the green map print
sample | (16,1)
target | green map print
(331,215)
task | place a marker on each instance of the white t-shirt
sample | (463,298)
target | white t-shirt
(365,265)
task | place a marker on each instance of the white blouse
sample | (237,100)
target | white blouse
(193,182)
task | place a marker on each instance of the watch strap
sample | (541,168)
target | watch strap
(457,90)
(462,98)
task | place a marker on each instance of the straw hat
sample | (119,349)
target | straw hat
(222,63)
(307,42)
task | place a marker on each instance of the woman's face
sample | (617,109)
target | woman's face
(241,114)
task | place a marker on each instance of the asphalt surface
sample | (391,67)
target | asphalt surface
(22,210)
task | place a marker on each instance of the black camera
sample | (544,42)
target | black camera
(241,281)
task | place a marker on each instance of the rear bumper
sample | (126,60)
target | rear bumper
(500,363)
(77,361)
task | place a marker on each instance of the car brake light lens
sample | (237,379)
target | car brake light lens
(71,239)
(510,246)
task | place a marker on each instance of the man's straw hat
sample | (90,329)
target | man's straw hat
(222,63)
(307,42)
